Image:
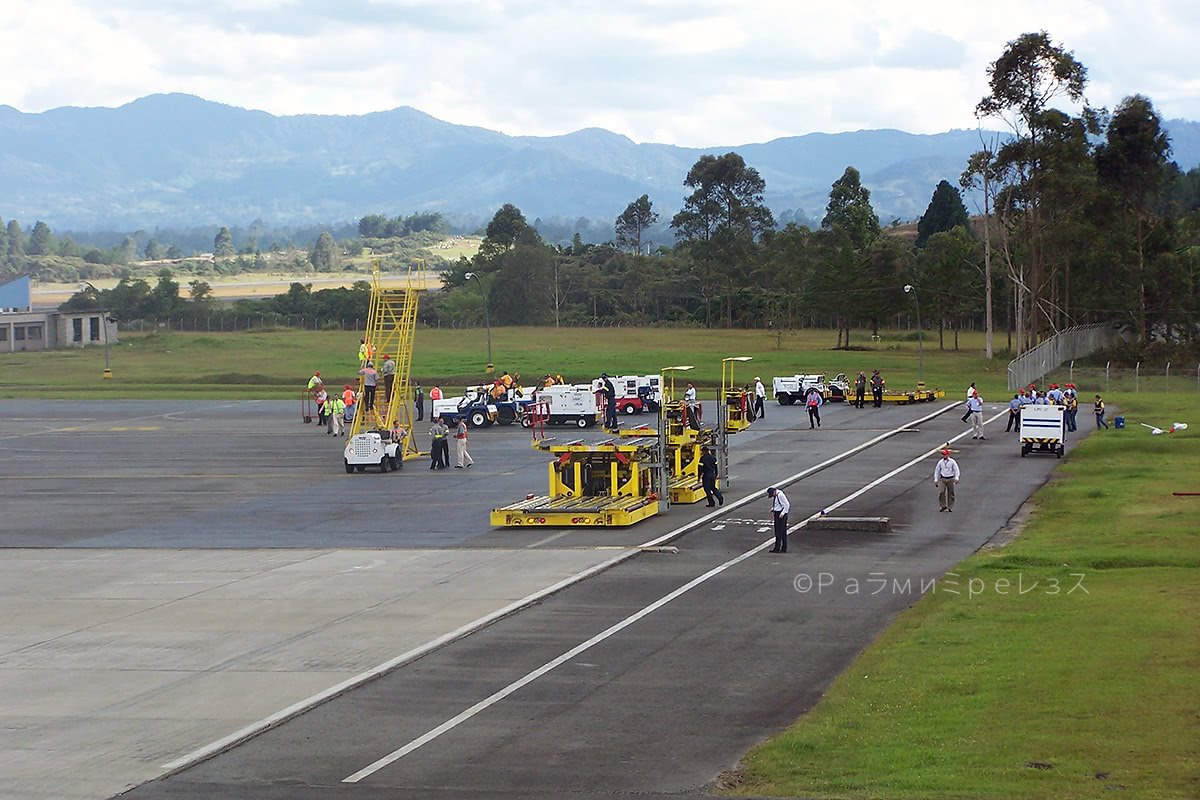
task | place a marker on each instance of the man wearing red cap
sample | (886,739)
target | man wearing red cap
(945,477)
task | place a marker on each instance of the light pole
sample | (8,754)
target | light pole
(909,288)
(487,320)
(103,324)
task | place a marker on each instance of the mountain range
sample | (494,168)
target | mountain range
(178,160)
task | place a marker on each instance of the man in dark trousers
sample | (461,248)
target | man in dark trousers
(708,475)
(877,388)
(419,399)
(610,402)
(779,512)
(860,390)
(439,450)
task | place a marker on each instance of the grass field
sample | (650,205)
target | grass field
(276,364)
(1036,695)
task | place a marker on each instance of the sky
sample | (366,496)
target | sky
(696,73)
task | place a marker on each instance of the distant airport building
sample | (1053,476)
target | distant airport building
(22,328)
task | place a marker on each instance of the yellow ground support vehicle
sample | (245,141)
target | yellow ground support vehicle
(609,483)
(738,402)
(918,395)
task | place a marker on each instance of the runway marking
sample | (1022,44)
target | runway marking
(75,429)
(717,528)
(607,633)
(283,715)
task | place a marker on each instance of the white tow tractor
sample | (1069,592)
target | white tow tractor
(374,449)
(1043,430)
(791,388)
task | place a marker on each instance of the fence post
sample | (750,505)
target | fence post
(1168,376)
(1072,372)
(1107,364)
(1137,377)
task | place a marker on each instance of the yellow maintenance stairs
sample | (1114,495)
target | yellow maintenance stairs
(390,330)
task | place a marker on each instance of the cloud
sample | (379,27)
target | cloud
(693,72)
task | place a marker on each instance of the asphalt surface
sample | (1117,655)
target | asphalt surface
(661,706)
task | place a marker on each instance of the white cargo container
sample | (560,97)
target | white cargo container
(565,405)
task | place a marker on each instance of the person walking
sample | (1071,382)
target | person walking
(419,399)
(460,445)
(975,409)
(860,390)
(439,449)
(812,402)
(971,392)
(435,394)
(945,477)
(322,399)
(1098,410)
(1014,414)
(370,381)
(779,514)
(335,419)
(388,370)
(760,399)
(708,476)
(877,388)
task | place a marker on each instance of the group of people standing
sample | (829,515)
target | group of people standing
(876,384)
(439,450)
(1066,396)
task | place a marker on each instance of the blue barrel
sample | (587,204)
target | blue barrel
(1118,422)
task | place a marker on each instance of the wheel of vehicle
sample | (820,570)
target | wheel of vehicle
(477,419)
(783,399)
(628,408)
(360,467)
(385,464)
(349,467)
(581,422)
(1024,450)
(506,416)
(526,421)
(397,462)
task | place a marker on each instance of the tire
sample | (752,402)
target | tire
(526,422)
(360,467)
(397,462)
(581,422)
(629,409)
(783,399)
(477,419)
(349,468)
(385,464)
(506,416)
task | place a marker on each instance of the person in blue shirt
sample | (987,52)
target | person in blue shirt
(1014,414)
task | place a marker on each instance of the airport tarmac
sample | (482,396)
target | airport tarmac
(180,572)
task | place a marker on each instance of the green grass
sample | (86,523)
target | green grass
(965,696)
(276,364)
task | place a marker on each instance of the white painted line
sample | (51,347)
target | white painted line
(530,677)
(491,700)
(717,528)
(762,529)
(308,703)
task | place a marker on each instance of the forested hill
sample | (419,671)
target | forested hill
(178,160)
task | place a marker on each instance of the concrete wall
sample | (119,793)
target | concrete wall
(25,330)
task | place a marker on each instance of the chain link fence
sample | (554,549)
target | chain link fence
(1064,347)
(1122,380)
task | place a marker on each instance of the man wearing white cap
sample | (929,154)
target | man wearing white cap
(945,477)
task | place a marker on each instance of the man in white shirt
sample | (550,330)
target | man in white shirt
(945,477)
(760,398)
(975,409)
(779,512)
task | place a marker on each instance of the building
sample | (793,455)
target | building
(21,328)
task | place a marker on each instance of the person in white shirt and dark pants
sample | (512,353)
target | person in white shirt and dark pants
(779,511)
(945,477)
(975,409)
(760,399)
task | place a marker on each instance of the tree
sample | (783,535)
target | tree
(16,240)
(637,217)
(325,256)
(978,173)
(850,210)
(200,291)
(721,222)
(165,294)
(506,229)
(154,250)
(1132,164)
(1030,74)
(40,240)
(223,244)
(945,212)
